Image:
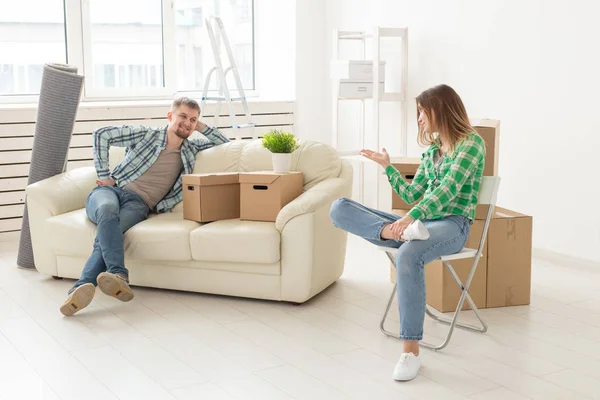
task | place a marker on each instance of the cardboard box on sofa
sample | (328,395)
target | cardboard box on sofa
(264,194)
(441,288)
(211,197)
(503,275)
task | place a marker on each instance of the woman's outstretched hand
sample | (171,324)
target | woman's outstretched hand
(382,158)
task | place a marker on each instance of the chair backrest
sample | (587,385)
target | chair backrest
(488,194)
(488,191)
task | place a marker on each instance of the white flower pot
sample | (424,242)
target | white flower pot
(281,162)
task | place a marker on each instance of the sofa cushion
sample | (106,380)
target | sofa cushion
(222,158)
(233,240)
(162,237)
(72,233)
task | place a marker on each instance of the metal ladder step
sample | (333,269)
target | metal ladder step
(215,28)
(244,126)
(222,98)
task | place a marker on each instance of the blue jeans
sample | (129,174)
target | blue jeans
(448,235)
(114,210)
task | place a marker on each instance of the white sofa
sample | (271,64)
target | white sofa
(292,259)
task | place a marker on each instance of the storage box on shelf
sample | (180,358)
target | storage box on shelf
(365,80)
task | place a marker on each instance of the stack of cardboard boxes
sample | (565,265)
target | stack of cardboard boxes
(251,196)
(503,275)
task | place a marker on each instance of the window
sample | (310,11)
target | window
(132,37)
(124,48)
(198,69)
(243,56)
(243,10)
(7,78)
(32,33)
(197,19)
(34,75)
(193,36)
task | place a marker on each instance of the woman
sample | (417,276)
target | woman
(448,179)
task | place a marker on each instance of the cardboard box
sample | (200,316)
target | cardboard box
(408,168)
(211,197)
(503,275)
(441,288)
(489,130)
(509,259)
(264,194)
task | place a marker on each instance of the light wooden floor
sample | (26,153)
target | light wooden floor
(171,345)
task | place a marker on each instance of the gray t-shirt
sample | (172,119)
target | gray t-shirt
(156,182)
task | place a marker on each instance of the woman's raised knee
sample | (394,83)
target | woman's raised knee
(336,211)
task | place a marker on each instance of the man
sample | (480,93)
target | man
(148,179)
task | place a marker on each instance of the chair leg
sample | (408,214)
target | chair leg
(483,328)
(454,321)
(448,321)
(385,314)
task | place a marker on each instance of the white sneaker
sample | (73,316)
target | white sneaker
(415,231)
(407,368)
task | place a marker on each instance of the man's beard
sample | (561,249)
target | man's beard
(182,135)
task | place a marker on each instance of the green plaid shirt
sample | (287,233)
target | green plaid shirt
(456,189)
(144,145)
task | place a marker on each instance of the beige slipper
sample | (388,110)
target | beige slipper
(79,298)
(115,286)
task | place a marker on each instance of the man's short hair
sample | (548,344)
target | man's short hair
(193,104)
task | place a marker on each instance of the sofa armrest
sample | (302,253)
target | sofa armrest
(64,192)
(323,193)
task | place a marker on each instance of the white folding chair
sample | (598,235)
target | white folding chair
(487,195)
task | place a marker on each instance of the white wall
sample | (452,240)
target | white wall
(532,64)
(312,122)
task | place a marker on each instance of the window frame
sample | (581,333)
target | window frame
(78,54)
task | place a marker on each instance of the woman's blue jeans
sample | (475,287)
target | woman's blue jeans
(448,235)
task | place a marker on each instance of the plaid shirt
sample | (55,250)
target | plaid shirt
(456,190)
(144,145)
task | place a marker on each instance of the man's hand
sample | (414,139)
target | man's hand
(399,226)
(200,126)
(105,182)
(382,158)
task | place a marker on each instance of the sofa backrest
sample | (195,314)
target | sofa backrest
(316,160)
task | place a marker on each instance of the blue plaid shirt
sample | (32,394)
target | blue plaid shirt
(144,145)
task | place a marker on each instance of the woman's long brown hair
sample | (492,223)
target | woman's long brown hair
(450,116)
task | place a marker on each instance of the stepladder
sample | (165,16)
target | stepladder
(240,119)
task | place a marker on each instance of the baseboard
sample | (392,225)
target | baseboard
(565,260)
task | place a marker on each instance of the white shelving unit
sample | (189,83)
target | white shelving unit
(373,90)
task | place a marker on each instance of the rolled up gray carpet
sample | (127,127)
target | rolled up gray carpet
(60,94)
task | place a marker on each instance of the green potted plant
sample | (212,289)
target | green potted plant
(281,145)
